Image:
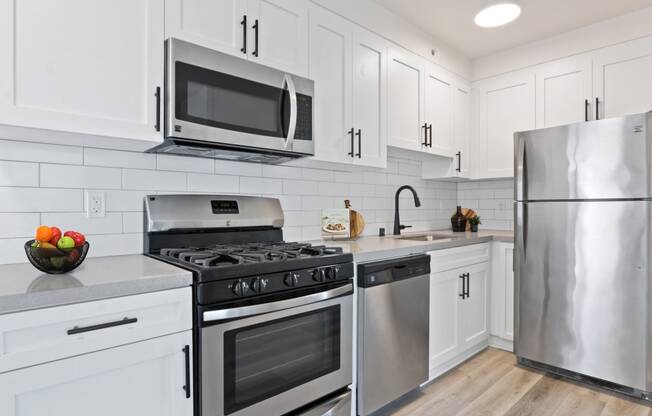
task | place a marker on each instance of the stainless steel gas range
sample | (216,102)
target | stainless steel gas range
(273,320)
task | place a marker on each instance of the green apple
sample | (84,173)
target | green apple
(66,243)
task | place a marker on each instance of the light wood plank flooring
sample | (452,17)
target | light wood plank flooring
(491,384)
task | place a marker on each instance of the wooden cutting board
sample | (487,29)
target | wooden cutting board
(356,220)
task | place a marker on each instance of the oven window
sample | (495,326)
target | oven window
(264,360)
(225,101)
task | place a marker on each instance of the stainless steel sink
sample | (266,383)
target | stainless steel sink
(425,237)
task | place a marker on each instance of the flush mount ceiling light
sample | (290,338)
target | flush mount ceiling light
(497,14)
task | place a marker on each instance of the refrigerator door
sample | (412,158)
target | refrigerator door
(605,159)
(583,288)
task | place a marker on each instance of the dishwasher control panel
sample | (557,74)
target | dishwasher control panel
(393,270)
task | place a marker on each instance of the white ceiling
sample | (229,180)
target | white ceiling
(452,20)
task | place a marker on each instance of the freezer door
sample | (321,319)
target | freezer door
(582,288)
(605,159)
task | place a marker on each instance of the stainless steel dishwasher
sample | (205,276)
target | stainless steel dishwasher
(393,321)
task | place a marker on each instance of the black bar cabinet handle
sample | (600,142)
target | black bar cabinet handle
(351,133)
(597,108)
(586,110)
(425,135)
(359,134)
(468,285)
(82,329)
(255,27)
(157,94)
(186,354)
(463,294)
(459,161)
(244,34)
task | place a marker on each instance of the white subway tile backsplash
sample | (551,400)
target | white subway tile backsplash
(491,199)
(261,186)
(119,158)
(40,200)
(70,176)
(111,223)
(23,225)
(18,174)
(137,179)
(184,163)
(46,184)
(219,184)
(227,167)
(50,153)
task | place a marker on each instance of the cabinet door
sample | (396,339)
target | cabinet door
(564,92)
(474,314)
(462,130)
(215,24)
(370,99)
(145,378)
(438,101)
(405,100)
(279,34)
(445,290)
(330,68)
(502,290)
(505,106)
(621,78)
(82,66)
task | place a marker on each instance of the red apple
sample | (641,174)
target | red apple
(56,235)
(77,237)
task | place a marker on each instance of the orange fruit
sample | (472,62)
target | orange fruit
(43,233)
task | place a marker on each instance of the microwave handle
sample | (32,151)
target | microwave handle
(289,83)
(244,311)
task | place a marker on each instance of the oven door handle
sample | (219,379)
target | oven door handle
(222,314)
(289,83)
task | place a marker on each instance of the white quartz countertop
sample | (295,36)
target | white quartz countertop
(372,248)
(22,287)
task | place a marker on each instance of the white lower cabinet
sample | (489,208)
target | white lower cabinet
(459,319)
(502,295)
(146,378)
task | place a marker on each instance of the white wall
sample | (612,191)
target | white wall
(45,184)
(609,32)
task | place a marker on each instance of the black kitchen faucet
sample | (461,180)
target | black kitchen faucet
(397,218)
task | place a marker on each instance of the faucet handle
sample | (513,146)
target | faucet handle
(403,227)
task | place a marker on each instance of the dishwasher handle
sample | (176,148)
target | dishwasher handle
(393,270)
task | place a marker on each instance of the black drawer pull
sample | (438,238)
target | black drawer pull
(157,126)
(82,329)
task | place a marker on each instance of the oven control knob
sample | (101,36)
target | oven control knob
(292,279)
(319,275)
(240,288)
(331,273)
(259,284)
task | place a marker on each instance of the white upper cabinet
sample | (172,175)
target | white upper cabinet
(80,66)
(438,101)
(330,68)
(215,24)
(462,130)
(505,105)
(278,33)
(370,99)
(406,101)
(349,67)
(271,32)
(622,80)
(564,92)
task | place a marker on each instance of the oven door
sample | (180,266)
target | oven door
(221,99)
(273,358)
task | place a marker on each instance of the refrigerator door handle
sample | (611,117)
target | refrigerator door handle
(520,171)
(521,227)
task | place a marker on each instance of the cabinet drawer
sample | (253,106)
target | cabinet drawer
(43,335)
(448,259)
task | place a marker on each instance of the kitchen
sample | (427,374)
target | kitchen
(199,277)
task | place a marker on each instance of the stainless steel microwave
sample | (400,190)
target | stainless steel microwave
(222,106)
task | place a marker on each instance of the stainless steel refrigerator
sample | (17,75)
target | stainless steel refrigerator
(583,251)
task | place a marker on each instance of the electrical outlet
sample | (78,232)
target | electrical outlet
(95,204)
